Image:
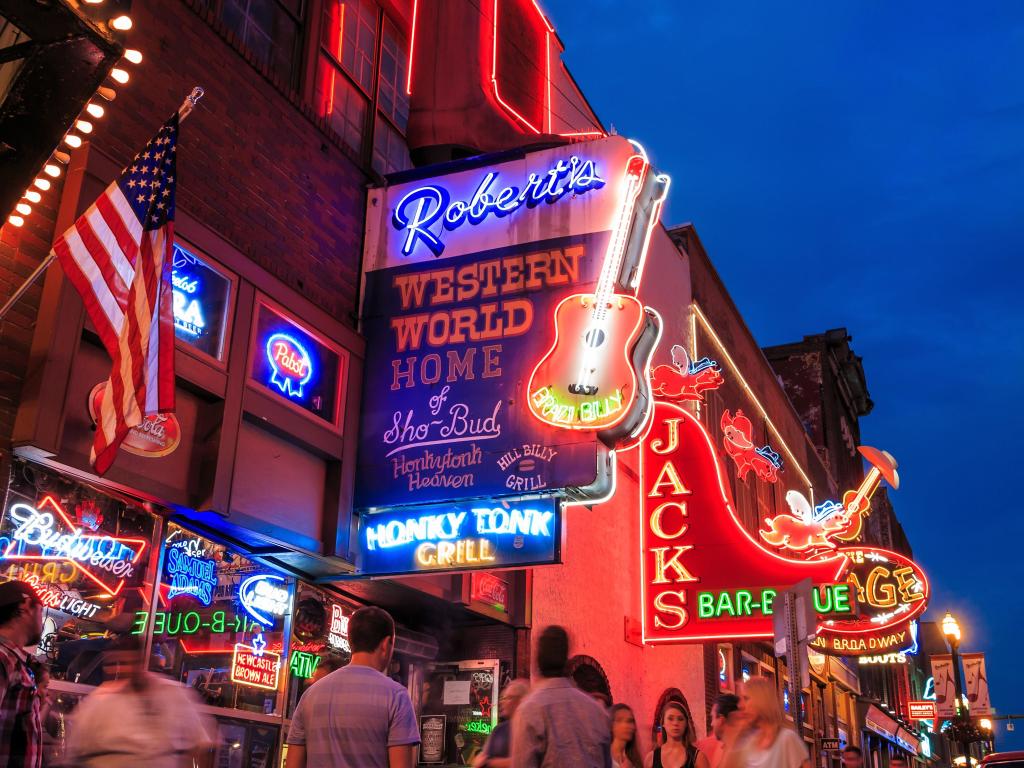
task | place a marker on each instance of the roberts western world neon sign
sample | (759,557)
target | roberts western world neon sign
(426,212)
(459,536)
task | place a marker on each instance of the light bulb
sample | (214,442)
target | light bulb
(123,23)
(107,93)
(15,220)
(134,56)
(32,196)
(94,109)
(73,141)
(42,184)
(23,208)
(94,2)
(84,126)
(61,157)
(120,75)
(51,169)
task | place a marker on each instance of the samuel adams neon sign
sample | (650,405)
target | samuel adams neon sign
(426,211)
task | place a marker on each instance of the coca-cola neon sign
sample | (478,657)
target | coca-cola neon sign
(291,366)
(45,532)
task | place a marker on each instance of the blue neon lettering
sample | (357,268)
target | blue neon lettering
(291,366)
(423,213)
(193,576)
(447,526)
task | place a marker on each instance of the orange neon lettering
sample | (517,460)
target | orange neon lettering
(663,563)
(679,611)
(656,527)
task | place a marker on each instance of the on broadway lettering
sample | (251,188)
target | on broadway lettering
(486,320)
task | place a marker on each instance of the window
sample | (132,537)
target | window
(347,82)
(201,295)
(94,582)
(269,29)
(218,626)
(319,643)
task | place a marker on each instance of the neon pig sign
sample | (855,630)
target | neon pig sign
(263,599)
(45,532)
(291,366)
(424,213)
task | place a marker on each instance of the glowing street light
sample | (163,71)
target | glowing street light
(951,628)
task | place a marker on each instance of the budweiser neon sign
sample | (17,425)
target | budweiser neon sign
(45,532)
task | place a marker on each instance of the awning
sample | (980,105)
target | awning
(877,721)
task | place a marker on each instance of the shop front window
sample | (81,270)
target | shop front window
(219,623)
(319,642)
(89,556)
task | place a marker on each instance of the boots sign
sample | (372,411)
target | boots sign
(864,597)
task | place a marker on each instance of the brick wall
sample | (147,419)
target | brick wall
(254,165)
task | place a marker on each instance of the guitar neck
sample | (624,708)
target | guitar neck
(636,170)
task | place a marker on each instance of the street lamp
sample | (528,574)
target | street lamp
(951,630)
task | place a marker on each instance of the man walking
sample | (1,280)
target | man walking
(558,725)
(712,745)
(357,717)
(21,732)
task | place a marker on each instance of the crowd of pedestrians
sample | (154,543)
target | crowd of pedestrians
(358,717)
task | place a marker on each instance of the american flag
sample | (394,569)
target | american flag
(118,256)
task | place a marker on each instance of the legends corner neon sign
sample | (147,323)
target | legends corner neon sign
(40,534)
(264,598)
(291,366)
(424,213)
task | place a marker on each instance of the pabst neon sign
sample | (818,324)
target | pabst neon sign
(291,366)
(45,532)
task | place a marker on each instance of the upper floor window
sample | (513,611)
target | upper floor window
(269,29)
(360,81)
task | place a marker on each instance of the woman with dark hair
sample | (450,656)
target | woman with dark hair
(625,751)
(679,750)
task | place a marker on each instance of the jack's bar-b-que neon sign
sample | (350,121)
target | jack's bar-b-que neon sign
(45,532)
(424,213)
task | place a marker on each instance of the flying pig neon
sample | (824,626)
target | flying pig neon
(291,366)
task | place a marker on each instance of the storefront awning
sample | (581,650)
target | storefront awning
(877,721)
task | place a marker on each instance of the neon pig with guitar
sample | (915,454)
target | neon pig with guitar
(596,375)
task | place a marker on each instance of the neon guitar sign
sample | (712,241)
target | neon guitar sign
(596,374)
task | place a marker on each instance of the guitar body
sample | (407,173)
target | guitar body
(619,356)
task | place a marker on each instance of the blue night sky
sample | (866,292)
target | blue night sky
(861,164)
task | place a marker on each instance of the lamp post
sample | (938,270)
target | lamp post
(951,630)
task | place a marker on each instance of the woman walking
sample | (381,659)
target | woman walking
(625,752)
(756,736)
(679,749)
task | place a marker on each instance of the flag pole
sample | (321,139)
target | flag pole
(183,111)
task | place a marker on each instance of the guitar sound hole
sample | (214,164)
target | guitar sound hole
(594,338)
(583,389)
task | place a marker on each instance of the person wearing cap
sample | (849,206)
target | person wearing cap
(21,731)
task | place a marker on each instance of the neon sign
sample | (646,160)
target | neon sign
(478,726)
(190,575)
(291,367)
(337,636)
(738,443)
(255,666)
(51,535)
(459,536)
(828,599)
(303,664)
(173,623)
(425,212)
(263,599)
(685,380)
(59,600)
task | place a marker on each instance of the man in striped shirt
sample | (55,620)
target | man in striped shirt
(21,621)
(357,717)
